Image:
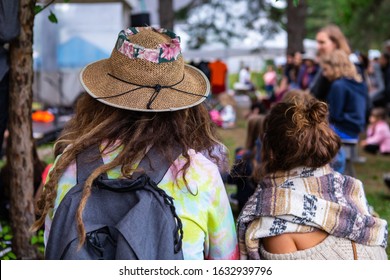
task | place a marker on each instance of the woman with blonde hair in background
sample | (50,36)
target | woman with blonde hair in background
(348,98)
(303,209)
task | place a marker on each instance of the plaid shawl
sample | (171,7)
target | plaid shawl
(304,200)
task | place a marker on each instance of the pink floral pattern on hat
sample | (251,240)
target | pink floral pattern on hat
(165,52)
(150,55)
(127,49)
(172,50)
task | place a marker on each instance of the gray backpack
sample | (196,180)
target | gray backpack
(123,218)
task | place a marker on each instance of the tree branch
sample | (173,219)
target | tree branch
(41,8)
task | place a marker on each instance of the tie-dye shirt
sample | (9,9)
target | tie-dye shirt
(208,223)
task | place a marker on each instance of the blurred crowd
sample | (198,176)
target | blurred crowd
(355,86)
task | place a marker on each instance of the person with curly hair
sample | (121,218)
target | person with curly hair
(302,208)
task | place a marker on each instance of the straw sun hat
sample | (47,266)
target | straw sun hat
(146,72)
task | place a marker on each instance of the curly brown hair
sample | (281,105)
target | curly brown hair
(97,123)
(297,133)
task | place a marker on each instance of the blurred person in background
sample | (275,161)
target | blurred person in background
(375,77)
(270,80)
(247,160)
(347,97)
(329,38)
(382,98)
(378,133)
(307,71)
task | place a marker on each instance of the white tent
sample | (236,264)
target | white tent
(253,51)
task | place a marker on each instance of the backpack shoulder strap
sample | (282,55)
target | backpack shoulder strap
(155,165)
(86,163)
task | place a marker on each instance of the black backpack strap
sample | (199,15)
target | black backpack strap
(155,165)
(87,161)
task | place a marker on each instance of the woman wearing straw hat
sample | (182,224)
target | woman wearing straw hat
(145,96)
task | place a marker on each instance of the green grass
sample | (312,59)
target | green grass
(378,194)
(256,78)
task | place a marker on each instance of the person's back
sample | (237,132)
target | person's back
(348,95)
(137,101)
(218,73)
(302,208)
(347,101)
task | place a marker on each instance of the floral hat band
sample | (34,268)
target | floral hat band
(136,77)
(165,52)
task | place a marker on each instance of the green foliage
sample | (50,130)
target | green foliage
(364,22)
(37,9)
(52,17)
(5,242)
(233,78)
(319,14)
(6,236)
(38,240)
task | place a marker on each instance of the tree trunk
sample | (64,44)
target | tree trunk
(166,14)
(20,142)
(296,31)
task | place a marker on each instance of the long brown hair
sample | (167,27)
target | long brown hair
(297,133)
(96,123)
(337,37)
(255,130)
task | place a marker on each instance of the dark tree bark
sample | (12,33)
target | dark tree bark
(296,31)
(20,142)
(166,14)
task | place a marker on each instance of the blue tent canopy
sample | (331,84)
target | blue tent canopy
(77,52)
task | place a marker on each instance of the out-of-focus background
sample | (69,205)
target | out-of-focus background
(58,38)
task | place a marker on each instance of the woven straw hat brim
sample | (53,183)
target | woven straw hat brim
(98,83)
